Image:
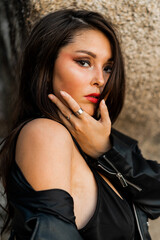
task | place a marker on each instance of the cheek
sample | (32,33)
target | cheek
(70,79)
(67,82)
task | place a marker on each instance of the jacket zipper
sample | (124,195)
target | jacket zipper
(118,174)
(133,185)
(123,181)
(138,225)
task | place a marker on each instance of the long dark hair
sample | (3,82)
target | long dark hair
(49,35)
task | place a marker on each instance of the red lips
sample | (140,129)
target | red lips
(93,97)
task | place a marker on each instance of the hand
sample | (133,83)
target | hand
(92,135)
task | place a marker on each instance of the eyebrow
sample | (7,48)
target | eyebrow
(92,54)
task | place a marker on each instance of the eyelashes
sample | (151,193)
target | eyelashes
(108,69)
(86,63)
(83,63)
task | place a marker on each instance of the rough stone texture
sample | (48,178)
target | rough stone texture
(138,22)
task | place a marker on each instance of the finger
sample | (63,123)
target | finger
(74,106)
(66,121)
(62,107)
(104,113)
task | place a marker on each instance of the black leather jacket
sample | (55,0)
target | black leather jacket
(125,165)
(127,169)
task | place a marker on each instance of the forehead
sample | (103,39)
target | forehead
(91,40)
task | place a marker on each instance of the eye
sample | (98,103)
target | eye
(83,63)
(108,69)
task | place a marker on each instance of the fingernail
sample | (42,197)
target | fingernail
(50,96)
(103,102)
(63,93)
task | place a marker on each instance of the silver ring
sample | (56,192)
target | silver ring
(68,118)
(79,112)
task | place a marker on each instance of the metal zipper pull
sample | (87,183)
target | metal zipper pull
(122,179)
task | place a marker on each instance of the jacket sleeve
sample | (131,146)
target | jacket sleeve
(140,177)
(47,227)
(43,215)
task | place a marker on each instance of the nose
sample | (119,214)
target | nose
(98,78)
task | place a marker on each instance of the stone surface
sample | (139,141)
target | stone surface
(138,22)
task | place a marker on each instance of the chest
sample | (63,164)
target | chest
(84,189)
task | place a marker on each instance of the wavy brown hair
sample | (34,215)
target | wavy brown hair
(48,36)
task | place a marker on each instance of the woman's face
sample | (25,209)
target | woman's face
(83,67)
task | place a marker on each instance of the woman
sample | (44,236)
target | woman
(66,173)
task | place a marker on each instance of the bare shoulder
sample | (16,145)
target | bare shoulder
(44,154)
(43,127)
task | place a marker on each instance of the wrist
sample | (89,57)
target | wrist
(106,148)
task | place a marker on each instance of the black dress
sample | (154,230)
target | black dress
(113,218)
